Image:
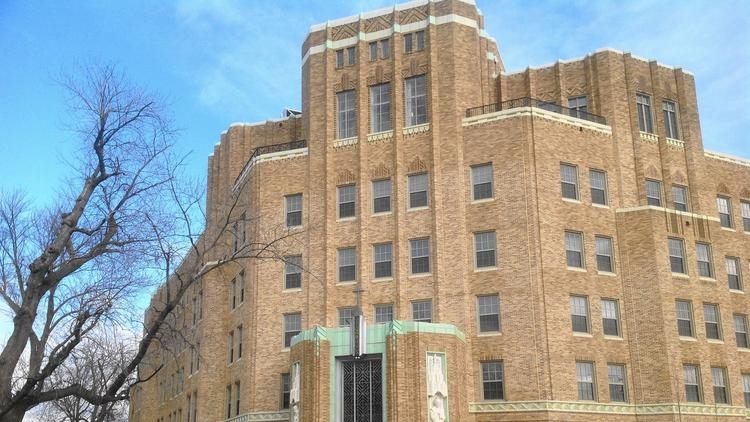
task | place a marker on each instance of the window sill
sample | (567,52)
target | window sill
(297,227)
(286,349)
(615,338)
(295,290)
(739,292)
(743,349)
(485,269)
(417,209)
(602,206)
(381,214)
(584,335)
(420,275)
(572,201)
(685,338)
(707,279)
(338,220)
(343,142)
(577,269)
(607,273)
(482,201)
(382,279)
(714,341)
(681,276)
(489,334)
(346,283)
(729,229)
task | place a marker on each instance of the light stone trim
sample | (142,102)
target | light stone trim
(271,156)
(649,137)
(534,111)
(282,415)
(728,158)
(413,130)
(345,142)
(606,408)
(676,143)
(386,135)
(669,210)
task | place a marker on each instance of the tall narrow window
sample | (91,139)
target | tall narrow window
(684,318)
(579,314)
(488,308)
(586,381)
(705,262)
(712,321)
(746,389)
(381,196)
(380,107)
(383,313)
(241,285)
(383,260)
(569,181)
(645,119)
(740,331)
(292,327)
(677,255)
(347,258)
(745,210)
(484,247)
(481,179)
(346,114)
(598,182)
(610,317)
(385,48)
(414,41)
(724,205)
(346,316)
(230,346)
(373,47)
(734,278)
(693,392)
(574,249)
(229,401)
(415,91)
(238,336)
(670,119)
(679,198)
(285,389)
(421,310)
(604,254)
(293,272)
(351,55)
(237,398)
(719,376)
(347,199)
(293,210)
(492,380)
(418,190)
(420,256)
(339,59)
(233,294)
(616,378)
(578,106)
(653,192)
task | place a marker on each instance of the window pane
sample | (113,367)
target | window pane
(484,244)
(346,115)
(488,308)
(347,261)
(585,379)
(692,383)
(418,190)
(347,197)
(420,256)
(679,198)
(422,311)
(383,313)
(492,380)
(616,378)
(569,181)
(604,254)
(579,312)
(676,255)
(481,177)
(574,249)
(416,100)
(382,256)
(293,272)
(381,192)
(380,108)
(653,192)
(598,182)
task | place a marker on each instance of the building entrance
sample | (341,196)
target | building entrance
(361,389)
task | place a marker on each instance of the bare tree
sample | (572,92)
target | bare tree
(73,271)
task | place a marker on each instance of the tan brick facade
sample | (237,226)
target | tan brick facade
(525,143)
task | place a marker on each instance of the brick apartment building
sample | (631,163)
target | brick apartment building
(549,244)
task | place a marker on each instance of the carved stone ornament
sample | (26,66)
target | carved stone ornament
(417,166)
(345,176)
(294,393)
(381,172)
(437,388)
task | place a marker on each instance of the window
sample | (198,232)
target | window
(492,380)
(229,401)
(421,310)
(346,114)
(733,273)
(346,316)
(484,246)
(481,179)
(351,55)
(233,294)
(418,190)
(598,182)
(679,198)
(604,254)
(347,197)
(569,181)
(230,346)
(294,210)
(488,308)
(578,106)
(745,210)
(414,41)
(692,384)
(653,192)
(740,331)
(645,120)
(746,389)
(579,314)
(383,313)
(383,260)
(725,211)
(585,379)
(705,264)
(712,321)
(610,317)
(684,318)
(415,91)
(670,119)
(616,378)
(718,376)
(380,108)
(292,327)
(293,272)
(677,255)
(241,285)
(574,249)
(238,336)
(385,48)
(373,50)
(285,390)
(347,264)
(381,195)
(420,256)
(339,59)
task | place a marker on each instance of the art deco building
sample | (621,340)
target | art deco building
(548,244)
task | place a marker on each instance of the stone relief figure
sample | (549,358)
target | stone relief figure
(294,393)
(437,388)
(437,408)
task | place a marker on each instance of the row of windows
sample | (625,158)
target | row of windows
(645,117)
(381,49)
(415,100)
(382,190)
(726,218)
(705,262)
(597,183)
(575,254)
(581,321)
(712,322)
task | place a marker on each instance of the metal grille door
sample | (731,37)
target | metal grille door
(362,387)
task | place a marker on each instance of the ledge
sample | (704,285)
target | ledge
(281,415)
(413,130)
(675,143)
(649,137)
(385,136)
(345,142)
(536,112)
(667,210)
(607,408)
